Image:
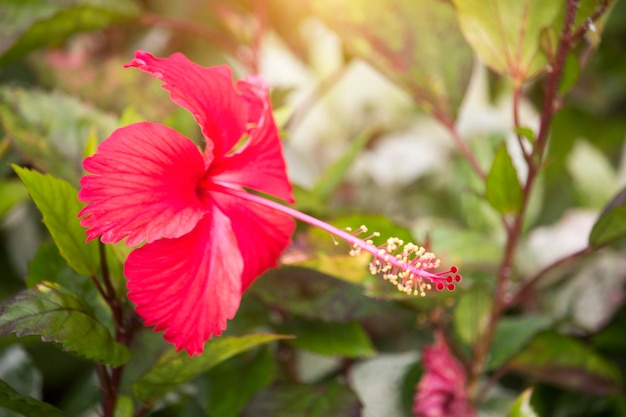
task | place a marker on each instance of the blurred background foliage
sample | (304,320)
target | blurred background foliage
(379,104)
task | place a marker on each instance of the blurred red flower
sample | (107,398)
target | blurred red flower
(442,390)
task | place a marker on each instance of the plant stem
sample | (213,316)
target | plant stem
(460,143)
(554,72)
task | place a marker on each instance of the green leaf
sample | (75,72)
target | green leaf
(343,339)
(595,180)
(502,189)
(232,383)
(172,368)
(27,25)
(471,314)
(522,407)
(58,315)
(12,192)
(416,44)
(320,400)
(27,406)
(570,73)
(506,34)
(124,406)
(51,130)
(333,176)
(609,227)
(565,362)
(512,335)
(58,202)
(314,295)
(526,132)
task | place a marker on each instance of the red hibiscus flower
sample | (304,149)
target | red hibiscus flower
(207,237)
(442,390)
(204,246)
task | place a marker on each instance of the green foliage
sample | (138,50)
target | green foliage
(311,294)
(503,190)
(27,25)
(471,314)
(331,399)
(12,192)
(232,383)
(513,334)
(522,407)
(342,339)
(58,202)
(50,129)
(57,314)
(172,368)
(429,59)
(27,406)
(564,361)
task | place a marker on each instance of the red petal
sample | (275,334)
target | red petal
(143,187)
(260,165)
(208,93)
(262,233)
(225,112)
(188,286)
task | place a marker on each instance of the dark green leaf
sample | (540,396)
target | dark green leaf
(343,339)
(506,34)
(50,130)
(471,314)
(513,334)
(333,399)
(333,176)
(58,202)
(502,189)
(232,383)
(27,25)
(416,44)
(11,193)
(59,315)
(26,406)
(314,295)
(611,225)
(522,407)
(564,361)
(172,368)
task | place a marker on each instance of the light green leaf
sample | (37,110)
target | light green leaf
(58,202)
(26,406)
(124,406)
(51,130)
(506,33)
(570,73)
(595,180)
(344,339)
(333,176)
(471,314)
(566,362)
(513,334)
(173,369)
(416,44)
(27,25)
(522,406)
(12,192)
(58,315)
(502,189)
(611,225)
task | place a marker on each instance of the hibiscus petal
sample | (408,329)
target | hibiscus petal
(188,286)
(260,165)
(262,233)
(208,93)
(143,187)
